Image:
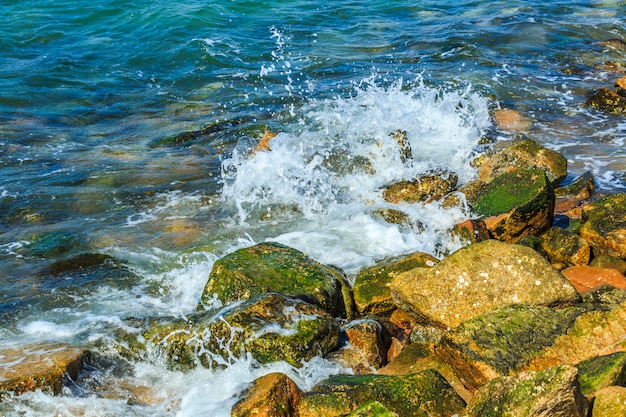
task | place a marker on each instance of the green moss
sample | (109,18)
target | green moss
(511,190)
(372,409)
(602,371)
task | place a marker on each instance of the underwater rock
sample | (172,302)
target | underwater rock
(423,394)
(515,204)
(564,247)
(372,409)
(371,286)
(610,402)
(600,372)
(604,225)
(39,367)
(478,278)
(524,154)
(510,120)
(424,189)
(588,278)
(272,267)
(272,395)
(608,101)
(271,327)
(554,392)
(502,341)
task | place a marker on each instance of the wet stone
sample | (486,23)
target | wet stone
(610,402)
(604,225)
(424,189)
(272,395)
(608,101)
(608,261)
(562,246)
(372,409)
(602,371)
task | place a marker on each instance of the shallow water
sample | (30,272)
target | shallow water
(93,92)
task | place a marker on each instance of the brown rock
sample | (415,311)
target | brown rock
(471,231)
(40,366)
(588,278)
(604,225)
(610,402)
(366,350)
(562,246)
(608,101)
(478,278)
(425,189)
(272,395)
(510,120)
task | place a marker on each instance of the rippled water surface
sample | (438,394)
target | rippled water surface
(128,129)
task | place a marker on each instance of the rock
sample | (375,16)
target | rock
(403,143)
(588,278)
(610,402)
(39,366)
(371,285)
(471,231)
(604,225)
(270,327)
(581,188)
(608,261)
(400,218)
(272,267)
(553,392)
(272,395)
(366,348)
(510,120)
(595,333)
(524,154)
(608,101)
(479,278)
(425,189)
(600,372)
(264,143)
(562,246)
(424,394)
(502,341)
(372,409)
(515,204)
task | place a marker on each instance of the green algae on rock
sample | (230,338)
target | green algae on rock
(604,225)
(371,286)
(423,394)
(372,409)
(272,267)
(478,278)
(554,392)
(564,247)
(602,371)
(426,188)
(270,327)
(515,204)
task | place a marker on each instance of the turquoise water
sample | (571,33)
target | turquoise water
(92,95)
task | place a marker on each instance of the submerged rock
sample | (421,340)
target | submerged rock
(272,267)
(554,392)
(423,394)
(478,278)
(601,371)
(272,395)
(524,154)
(424,189)
(371,286)
(608,101)
(604,225)
(270,327)
(510,120)
(39,367)
(515,204)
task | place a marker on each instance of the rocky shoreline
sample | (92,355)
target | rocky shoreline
(526,319)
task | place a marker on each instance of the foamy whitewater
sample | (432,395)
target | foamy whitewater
(95,93)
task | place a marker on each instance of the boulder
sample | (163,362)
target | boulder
(604,225)
(554,392)
(561,246)
(502,341)
(371,286)
(471,231)
(40,366)
(426,188)
(515,204)
(421,394)
(272,267)
(608,101)
(600,372)
(610,402)
(272,395)
(270,327)
(372,409)
(479,278)
(588,278)
(581,188)
(524,154)
(608,261)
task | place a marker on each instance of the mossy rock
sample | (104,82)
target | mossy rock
(581,188)
(602,371)
(610,402)
(421,394)
(502,341)
(271,327)
(604,225)
(607,101)
(516,204)
(426,188)
(272,267)
(372,409)
(608,261)
(564,247)
(553,392)
(524,154)
(371,286)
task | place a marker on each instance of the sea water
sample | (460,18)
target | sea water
(93,95)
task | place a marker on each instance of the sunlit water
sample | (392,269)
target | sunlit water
(90,92)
